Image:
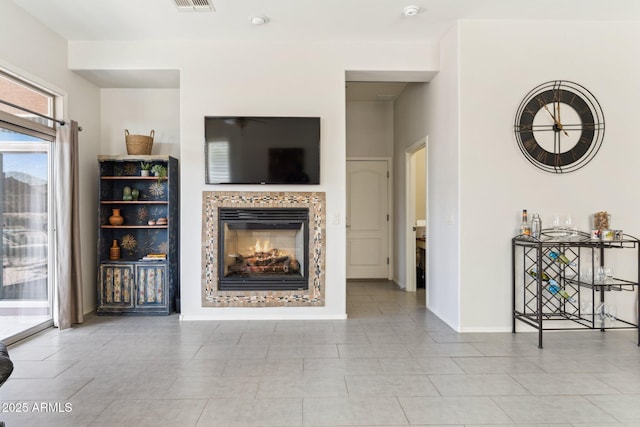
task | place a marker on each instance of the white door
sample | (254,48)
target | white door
(367,219)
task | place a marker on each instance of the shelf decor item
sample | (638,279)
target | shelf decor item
(144,168)
(138,144)
(126,194)
(601,220)
(114,251)
(116,218)
(159,171)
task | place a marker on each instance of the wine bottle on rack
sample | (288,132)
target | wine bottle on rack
(534,273)
(554,288)
(560,258)
(552,285)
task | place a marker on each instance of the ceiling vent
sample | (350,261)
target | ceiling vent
(194,5)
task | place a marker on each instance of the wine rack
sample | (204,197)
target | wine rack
(560,282)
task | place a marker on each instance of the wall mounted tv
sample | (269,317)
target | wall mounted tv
(262,150)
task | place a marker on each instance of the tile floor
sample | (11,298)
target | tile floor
(392,363)
(13,325)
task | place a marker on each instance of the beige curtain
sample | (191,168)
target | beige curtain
(67,224)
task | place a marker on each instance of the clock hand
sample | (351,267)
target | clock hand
(551,114)
(556,120)
(559,123)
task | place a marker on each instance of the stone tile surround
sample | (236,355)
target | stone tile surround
(311,297)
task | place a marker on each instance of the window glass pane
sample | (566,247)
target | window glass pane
(24,213)
(27,97)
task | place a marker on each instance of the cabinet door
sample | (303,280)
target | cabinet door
(151,285)
(116,286)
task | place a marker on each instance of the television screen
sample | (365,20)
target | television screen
(262,150)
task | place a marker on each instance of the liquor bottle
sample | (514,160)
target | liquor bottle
(525,228)
(560,258)
(536,226)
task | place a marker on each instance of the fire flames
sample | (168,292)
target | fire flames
(265,249)
(264,258)
(264,246)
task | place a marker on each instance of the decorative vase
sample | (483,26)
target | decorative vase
(114,251)
(135,194)
(116,218)
(126,194)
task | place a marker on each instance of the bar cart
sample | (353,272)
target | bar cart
(560,281)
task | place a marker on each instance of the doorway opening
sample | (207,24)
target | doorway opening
(416,215)
(385,111)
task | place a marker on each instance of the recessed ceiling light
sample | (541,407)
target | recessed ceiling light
(258,19)
(411,10)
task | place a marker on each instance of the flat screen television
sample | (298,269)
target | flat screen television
(262,150)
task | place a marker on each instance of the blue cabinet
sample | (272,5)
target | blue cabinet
(117,287)
(150,285)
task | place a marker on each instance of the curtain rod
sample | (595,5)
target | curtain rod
(60,122)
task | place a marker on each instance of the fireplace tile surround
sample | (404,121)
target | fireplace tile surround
(212,201)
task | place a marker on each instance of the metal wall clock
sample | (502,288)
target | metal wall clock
(559,126)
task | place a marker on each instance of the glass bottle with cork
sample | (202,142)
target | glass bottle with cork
(525,227)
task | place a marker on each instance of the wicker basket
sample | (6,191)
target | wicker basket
(138,144)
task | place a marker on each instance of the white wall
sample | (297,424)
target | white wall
(369,129)
(140,111)
(250,79)
(32,51)
(443,185)
(499,63)
(410,126)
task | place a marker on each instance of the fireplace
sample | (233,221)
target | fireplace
(305,291)
(263,249)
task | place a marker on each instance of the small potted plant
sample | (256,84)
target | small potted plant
(144,168)
(160,171)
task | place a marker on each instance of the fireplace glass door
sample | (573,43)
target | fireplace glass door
(263,249)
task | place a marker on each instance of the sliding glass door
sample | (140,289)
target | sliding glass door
(25,287)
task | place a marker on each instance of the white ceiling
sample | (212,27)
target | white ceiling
(292,21)
(301,20)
